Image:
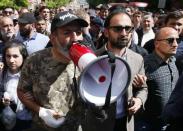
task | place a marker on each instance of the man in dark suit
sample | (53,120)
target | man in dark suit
(173,110)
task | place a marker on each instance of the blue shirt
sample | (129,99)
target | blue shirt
(35,43)
(1,47)
(179,57)
(180,49)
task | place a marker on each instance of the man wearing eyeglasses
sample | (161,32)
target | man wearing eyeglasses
(8,11)
(162,75)
(118,30)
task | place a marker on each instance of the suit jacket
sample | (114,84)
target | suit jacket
(136,64)
(173,109)
(138,49)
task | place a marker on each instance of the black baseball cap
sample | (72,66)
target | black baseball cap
(64,18)
(27,18)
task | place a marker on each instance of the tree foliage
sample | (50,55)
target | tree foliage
(21,2)
(14,3)
(56,3)
(24,3)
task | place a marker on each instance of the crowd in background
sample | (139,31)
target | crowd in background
(31,29)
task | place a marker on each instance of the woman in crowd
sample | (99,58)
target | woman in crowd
(14,54)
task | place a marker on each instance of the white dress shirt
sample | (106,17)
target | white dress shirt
(10,86)
(147,36)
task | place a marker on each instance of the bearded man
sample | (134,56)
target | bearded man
(118,30)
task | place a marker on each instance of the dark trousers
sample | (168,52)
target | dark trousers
(120,124)
(175,127)
(150,124)
(22,125)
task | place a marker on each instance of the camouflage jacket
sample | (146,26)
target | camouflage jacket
(50,83)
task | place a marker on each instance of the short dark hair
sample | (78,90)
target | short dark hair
(104,7)
(173,15)
(116,7)
(137,13)
(39,18)
(42,8)
(113,13)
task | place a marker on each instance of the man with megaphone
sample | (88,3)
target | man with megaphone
(118,30)
(45,85)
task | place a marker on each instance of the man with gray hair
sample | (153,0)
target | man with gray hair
(7,31)
(146,33)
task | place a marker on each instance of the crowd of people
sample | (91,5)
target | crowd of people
(38,80)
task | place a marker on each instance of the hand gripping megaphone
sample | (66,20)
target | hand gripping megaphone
(97,75)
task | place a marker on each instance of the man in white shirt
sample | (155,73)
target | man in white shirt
(146,33)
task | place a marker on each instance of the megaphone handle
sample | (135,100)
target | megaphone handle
(74,86)
(111,57)
(108,95)
(99,112)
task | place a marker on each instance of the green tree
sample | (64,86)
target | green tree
(14,3)
(24,3)
(56,3)
(5,3)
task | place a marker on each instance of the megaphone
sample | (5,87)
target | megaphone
(96,75)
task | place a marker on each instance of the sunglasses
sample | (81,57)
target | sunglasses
(119,29)
(8,12)
(171,40)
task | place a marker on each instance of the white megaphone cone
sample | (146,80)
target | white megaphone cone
(96,76)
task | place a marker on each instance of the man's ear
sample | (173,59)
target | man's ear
(33,25)
(106,34)
(156,44)
(52,38)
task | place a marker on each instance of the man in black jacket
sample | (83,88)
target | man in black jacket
(173,109)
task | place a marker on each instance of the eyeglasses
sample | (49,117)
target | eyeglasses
(171,40)
(8,12)
(176,24)
(46,11)
(119,29)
